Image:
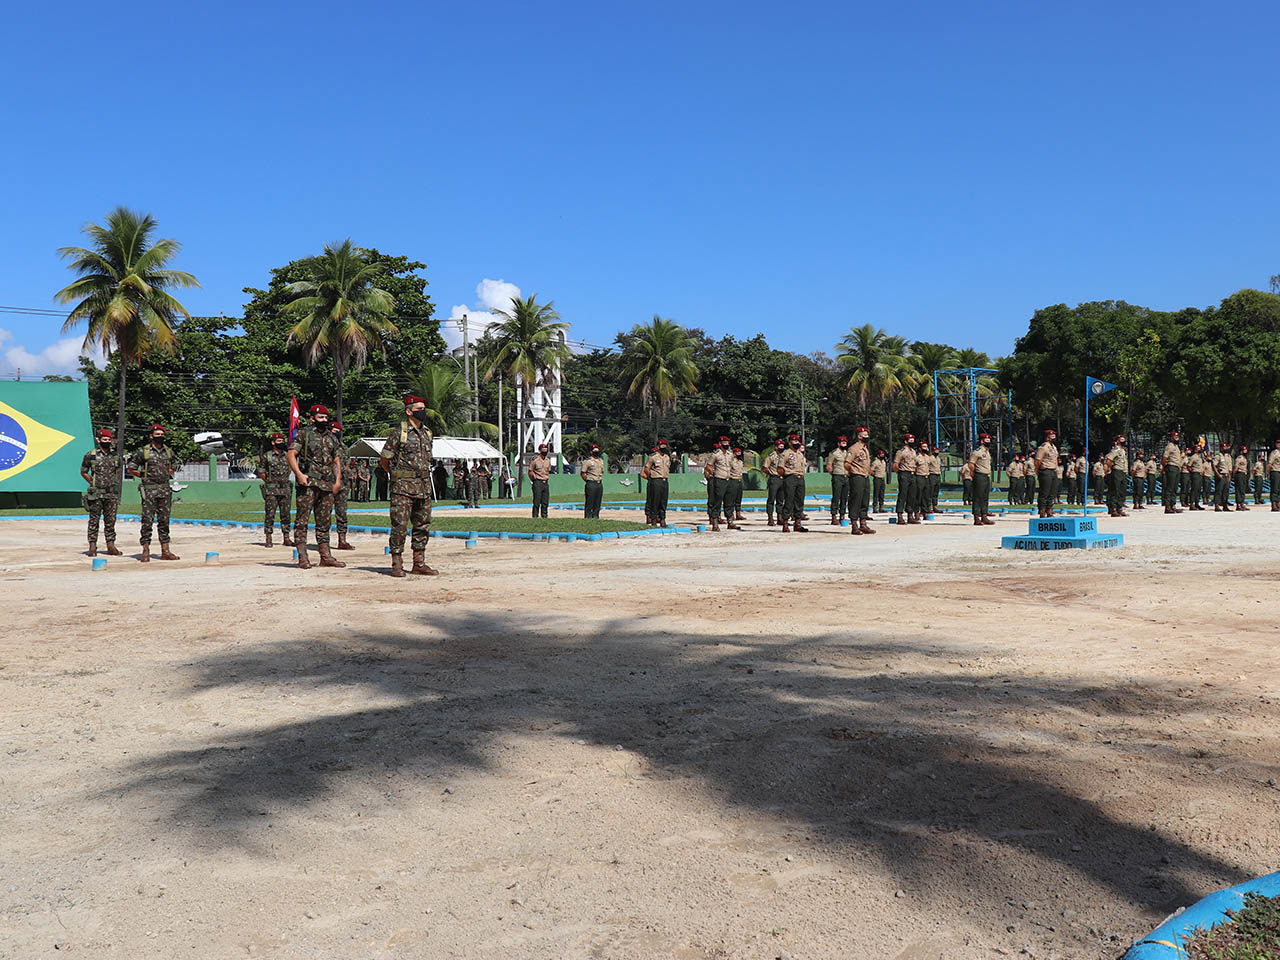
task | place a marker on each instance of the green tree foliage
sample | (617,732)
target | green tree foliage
(121,293)
(448,399)
(658,363)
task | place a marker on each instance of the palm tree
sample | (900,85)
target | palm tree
(448,398)
(658,359)
(877,366)
(341,313)
(121,291)
(925,360)
(528,343)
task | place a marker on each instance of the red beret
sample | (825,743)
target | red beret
(862,430)
(984,436)
(779,442)
(724,439)
(104,432)
(318,408)
(737,449)
(543,446)
(794,436)
(595,448)
(662,443)
(411,399)
(335,425)
(277,436)
(842,439)
(155,427)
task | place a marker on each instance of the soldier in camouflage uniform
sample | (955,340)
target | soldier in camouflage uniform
(363,476)
(277,491)
(317,466)
(155,464)
(340,497)
(407,458)
(101,470)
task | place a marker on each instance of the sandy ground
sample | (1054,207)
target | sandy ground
(911,746)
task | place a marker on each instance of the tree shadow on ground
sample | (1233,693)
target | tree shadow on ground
(930,771)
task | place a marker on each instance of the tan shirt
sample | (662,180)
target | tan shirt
(794,463)
(735,468)
(1017,470)
(773,463)
(1242,464)
(719,463)
(858,462)
(592,468)
(904,461)
(1259,468)
(539,468)
(1273,461)
(966,471)
(1193,464)
(1047,456)
(980,460)
(880,469)
(935,465)
(1118,459)
(1097,468)
(836,462)
(1172,455)
(659,466)
(1071,469)
(922,464)
(1153,468)
(1206,466)
(1222,463)
(1138,468)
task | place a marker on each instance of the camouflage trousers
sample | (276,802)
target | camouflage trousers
(104,507)
(406,509)
(277,501)
(157,501)
(340,511)
(319,499)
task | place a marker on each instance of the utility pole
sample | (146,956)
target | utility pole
(803,445)
(466,353)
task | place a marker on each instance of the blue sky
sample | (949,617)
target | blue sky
(937,169)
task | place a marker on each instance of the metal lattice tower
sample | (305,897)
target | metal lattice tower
(961,413)
(543,415)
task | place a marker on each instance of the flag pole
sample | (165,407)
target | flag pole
(1088,455)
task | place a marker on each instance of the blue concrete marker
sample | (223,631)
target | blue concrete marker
(1063,533)
(295,554)
(99,563)
(470,544)
(702,528)
(387,548)
(210,557)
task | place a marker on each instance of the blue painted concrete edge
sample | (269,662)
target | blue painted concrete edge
(1165,942)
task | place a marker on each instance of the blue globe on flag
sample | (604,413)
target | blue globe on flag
(13,442)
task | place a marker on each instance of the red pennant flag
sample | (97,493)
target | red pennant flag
(295,416)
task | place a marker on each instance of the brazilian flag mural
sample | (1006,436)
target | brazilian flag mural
(44,432)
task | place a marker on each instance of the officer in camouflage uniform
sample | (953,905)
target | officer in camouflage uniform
(277,491)
(340,497)
(155,464)
(316,463)
(101,470)
(407,459)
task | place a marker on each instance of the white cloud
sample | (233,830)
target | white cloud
(490,295)
(61,356)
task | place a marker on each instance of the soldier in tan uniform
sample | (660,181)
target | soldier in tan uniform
(839,480)
(1138,477)
(966,482)
(733,491)
(540,480)
(980,460)
(1099,481)
(1046,463)
(657,470)
(879,472)
(904,465)
(794,464)
(1115,466)
(858,463)
(1258,474)
(1223,464)
(716,473)
(1193,463)
(1242,477)
(1069,475)
(922,483)
(1016,472)
(1273,470)
(1207,491)
(773,504)
(935,476)
(592,472)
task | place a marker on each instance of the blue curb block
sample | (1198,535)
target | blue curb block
(1166,941)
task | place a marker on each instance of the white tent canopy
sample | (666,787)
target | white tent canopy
(442,448)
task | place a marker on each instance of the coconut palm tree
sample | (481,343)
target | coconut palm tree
(448,398)
(122,292)
(658,359)
(925,360)
(528,344)
(341,313)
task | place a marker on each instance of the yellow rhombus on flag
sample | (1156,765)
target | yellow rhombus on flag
(25,442)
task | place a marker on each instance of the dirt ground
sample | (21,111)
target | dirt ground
(912,746)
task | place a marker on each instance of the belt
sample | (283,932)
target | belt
(409,475)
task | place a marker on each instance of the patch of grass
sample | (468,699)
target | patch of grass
(1252,933)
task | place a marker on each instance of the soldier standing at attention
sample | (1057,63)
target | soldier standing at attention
(773,481)
(1099,482)
(657,470)
(1153,474)
(340,495)
(980,460)
(879,470)
(460,481)
(839,480)
(794,465)
(904,465)
(1046,463)
(1016,472)
(484,476)
(1223,465)
(1193,463)
(317,468)
(540,480)
(1186,479)
(406,457)
(858,465)
(277,491)
(1057,488)
(921,484)
(733,501)
(155,464)
(1070,474)
(1242,478)
(473,485)
(1138,474)
(1116,467)
(716,473)
(1259,472)
(935,476)
(592,471)
(966,482)
(100,468)
(1273,468)
(1029,479)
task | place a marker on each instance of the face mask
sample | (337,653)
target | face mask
(278,445)
(105,442)
(322,424)
(157,440)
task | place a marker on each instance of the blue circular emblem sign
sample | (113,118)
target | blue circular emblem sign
(13,442)
(1096,387)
